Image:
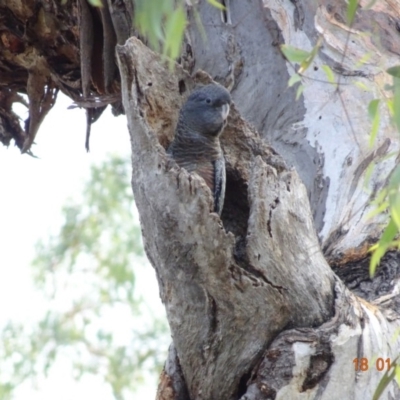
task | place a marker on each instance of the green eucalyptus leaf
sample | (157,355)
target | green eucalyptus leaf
(382,246)
(174,30)
(329,73)
(351,11)
(394,71)
(378,210)
(396,102)
(398,374)
(388,87)
(383,383)
(294,79)
(96,3)
(294,54)
(368,173)
(216,4)
(373,111)
(299,91)
(394,196)
(362,86)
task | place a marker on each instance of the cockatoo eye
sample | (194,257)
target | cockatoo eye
(208,101)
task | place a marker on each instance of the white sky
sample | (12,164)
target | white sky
(32,192)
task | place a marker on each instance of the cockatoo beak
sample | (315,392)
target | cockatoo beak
(225,111)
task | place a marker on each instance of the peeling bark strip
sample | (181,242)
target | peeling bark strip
(42,96)
(109,42)
(46,46)
(86,45)
(224,306)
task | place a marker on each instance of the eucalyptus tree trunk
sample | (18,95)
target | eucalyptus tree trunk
(258,299)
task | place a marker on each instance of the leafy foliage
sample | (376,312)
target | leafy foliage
(351,11)
(304,58)
(373,112)
(392,373)
(387,202)
(163,24)
(96,3)
(388,199)
(86,272)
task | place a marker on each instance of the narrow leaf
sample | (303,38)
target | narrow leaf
(351,11)
(388,87)
(381,196)
(96,3)
(394,181)
(383,244)
(329,73)
(307,62)
(388,156)
(394,196)
(394,71)
(174,30)
(384,382)
(294,79)
(216,4)
(363,59)
(304,65)
(396,102)
(398,374)
(388,234)
(390,105)
(378,210)
(395,209)
(378,253)
(300,90)
(373,108)
(368,173)
(362,86)
(294,54)
(373,111)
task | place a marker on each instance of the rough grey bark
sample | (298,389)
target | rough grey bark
(250,291)
(238,294)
